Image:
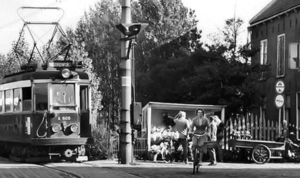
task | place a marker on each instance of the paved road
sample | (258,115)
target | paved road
(143,169)
(111,169)
(10,169)
(249,170)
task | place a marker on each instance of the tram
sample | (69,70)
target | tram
(45,112)
(45,108)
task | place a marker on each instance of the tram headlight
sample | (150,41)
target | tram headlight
(55,128)
(65,73)
(74,127)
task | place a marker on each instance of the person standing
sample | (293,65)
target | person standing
(182,126)
(199,126)
(215,121)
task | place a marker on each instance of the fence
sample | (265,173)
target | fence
(251,126)
(139,148)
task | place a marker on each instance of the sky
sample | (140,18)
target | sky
(211,15)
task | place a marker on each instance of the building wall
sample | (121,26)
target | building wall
(289,25)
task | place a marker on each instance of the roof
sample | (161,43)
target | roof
(43,74)
(275,7)
(186,107)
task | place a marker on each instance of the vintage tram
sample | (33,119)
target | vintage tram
(45,111)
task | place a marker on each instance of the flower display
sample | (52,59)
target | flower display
(239,134)
(155,149)
(161,139)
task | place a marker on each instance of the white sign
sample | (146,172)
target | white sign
(279,87)
(279,101)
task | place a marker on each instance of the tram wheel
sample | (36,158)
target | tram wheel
(261,154)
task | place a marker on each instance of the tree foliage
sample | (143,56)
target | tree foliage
(96,30)
(219,75)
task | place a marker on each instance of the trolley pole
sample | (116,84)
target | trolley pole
(125,137)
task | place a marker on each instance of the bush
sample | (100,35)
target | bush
(99,148)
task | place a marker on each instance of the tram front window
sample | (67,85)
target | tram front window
(63,96)
(41,96)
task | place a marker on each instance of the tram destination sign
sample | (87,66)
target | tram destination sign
(60,64)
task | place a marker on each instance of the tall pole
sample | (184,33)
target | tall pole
(125,137)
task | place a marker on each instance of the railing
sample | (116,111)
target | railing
(139,148)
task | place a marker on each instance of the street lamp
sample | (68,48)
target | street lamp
(132,29)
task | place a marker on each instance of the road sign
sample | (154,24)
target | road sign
(279,101)
(279,87)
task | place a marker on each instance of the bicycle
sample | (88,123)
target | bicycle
(195,152)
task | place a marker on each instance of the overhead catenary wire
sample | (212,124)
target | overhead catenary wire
(18,20)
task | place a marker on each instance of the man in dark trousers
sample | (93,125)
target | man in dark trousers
(182,126)
(214,123)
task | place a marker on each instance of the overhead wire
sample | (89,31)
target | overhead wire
(26,16)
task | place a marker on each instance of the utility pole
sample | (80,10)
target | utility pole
(125,137)
(129,33)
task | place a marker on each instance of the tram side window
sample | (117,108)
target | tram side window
(41,97)
(1,101)
(17,99)
(8,100)
(26,93)
(84,98)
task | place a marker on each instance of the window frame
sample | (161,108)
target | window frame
(35,98)
(2,101)
(264,52)
(20,100)
(5,98)
(280,69)
(297,116)
(86,103)
(26,99)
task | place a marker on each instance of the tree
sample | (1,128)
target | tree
(166,43)
(216,75)
(167,20)
(18,55)
(230,77)
(2,65)
(165,81)
(97,31)
(228,38)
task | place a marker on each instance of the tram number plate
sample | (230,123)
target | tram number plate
(64,118)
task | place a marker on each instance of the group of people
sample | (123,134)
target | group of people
(200,125)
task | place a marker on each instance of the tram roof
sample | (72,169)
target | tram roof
(42,74)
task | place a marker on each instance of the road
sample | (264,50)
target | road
(111,169)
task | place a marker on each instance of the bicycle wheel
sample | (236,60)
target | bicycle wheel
(195,162)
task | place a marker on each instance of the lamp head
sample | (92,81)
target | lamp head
(131,29)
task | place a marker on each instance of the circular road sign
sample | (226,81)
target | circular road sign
(279,87)
(279,101)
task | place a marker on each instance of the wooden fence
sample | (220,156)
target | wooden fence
(244,127)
